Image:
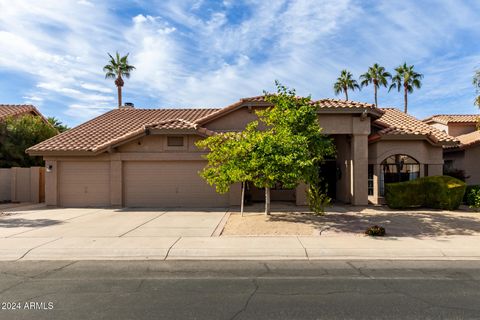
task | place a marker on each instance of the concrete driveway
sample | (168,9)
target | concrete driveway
(80,222)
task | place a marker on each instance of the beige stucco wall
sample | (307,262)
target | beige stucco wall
(457,129)
(234,121)
(5,185)
(471,165)
(20,184)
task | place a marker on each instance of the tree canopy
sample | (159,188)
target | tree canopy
(376,75)
(18,134)
(476,83)
(288,151)
(57,124)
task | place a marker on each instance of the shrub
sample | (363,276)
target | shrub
(375,231)
(318,199)
(438,192)
(472,197)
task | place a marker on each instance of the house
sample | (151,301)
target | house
(464,155)
(18,110)
(132,157)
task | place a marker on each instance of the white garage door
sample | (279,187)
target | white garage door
(84,184)
(168,184)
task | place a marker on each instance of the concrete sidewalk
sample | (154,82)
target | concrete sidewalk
(240,248)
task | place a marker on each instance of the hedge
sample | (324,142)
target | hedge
(469,197)
(438,192)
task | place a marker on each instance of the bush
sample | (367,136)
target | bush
(438,192)
(375,231)
(318,199)
(472,196)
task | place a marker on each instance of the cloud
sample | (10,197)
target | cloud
(204,53)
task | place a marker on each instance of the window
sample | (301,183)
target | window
(175,141)
(370,179)
(398,168)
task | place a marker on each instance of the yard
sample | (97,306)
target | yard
(346,220)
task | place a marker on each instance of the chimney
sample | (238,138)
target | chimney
(128,105)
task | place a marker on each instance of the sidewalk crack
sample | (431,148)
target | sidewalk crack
(304,249)
(29,250)
(168,252)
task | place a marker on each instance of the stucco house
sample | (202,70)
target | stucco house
(18,110)
(464,155)
(132,157)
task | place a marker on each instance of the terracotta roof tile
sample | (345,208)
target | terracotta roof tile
(115,126)
(453,118)
(16,109)
(396,122)
(469,139)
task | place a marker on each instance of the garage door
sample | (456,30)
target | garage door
(168,184)
(84,184)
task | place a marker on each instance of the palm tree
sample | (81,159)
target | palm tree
(345,82)
(377,75)
(407,79)
(476,84)
(117,68)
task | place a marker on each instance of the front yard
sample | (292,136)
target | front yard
(346,220)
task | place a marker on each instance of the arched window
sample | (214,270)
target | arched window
(398,168)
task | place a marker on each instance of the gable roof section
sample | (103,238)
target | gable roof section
(468,140)
(395,123)
(452,118)
(118,125)
(7,110)
(325,105)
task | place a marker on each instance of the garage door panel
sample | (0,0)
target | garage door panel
(168,184)
(84,184)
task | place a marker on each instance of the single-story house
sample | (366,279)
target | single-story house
(464,155)
(18,110)
(132,157)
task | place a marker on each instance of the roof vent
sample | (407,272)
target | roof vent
(129,105)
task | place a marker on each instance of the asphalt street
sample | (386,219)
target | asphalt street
(240,290)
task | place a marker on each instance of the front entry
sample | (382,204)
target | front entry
(328,173)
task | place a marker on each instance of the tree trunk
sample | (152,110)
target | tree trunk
(243,198)
(346,94)
(267,201)
(375,90)
(119,88)
(405,96)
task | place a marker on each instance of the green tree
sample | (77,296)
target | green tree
(17,135)
(407,79)
(476,83)
(377,76)
(57,124)
(118,68)
(288,151)
(344,83)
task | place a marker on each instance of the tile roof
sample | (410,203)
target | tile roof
(324,104)
(453,118)
(115,126)
(396,122)
(469,139)
(16,109)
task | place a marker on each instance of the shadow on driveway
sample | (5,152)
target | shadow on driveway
(28,223)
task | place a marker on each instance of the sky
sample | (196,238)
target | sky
(194,53)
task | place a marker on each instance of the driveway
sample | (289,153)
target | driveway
(80,222)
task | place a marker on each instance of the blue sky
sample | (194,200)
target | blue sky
(193,53)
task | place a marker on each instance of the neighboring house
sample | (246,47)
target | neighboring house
(18,110)
(466,154)
(147,157)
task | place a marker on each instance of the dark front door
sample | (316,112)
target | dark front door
(328,172)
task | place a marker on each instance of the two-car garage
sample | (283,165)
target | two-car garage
(144,184)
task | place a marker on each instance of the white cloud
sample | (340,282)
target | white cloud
(189,52)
